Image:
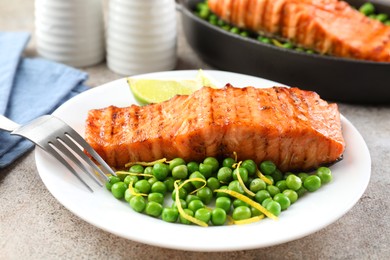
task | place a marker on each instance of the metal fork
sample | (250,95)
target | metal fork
(61,141)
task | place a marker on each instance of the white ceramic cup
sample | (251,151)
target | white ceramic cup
(70,32)
(141,36)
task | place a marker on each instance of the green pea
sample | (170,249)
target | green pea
(387,23)
(170,215)
(243,173)
(226,27)
(169,183)
(236,186)
(185,221)
(238,203)
(292,195)
(283,200)
(244,34)
(224,203)
(143,186)
(282,185)
(176,162)
(111,180)
(303,176)
(152,180)
(241,213)
(235,30)
(137,168)
(191,197)
(160,171)
(325,174)
(225,174)
(221,22)
(180,172)
(153,209)
(206,170)
(250,166)
(293,182)
(156,197)
(266,201)
(288,45)
(130,178)
(274,207)
(255,212)
(261,195)
(269,177)
(205,194)
(301,191)
(194,205)
(273,190)
(257,184)
(213,162)
(213,183)
(213,19)
(192,167)
(137,203)
(264,39)
(129,194)
(277,175)
(197,184)
(367,8)
(312,183)
(223,194)
(183,204)
(203,214)
(218,216)
(382,17)
(148,170)
(182,194)
(267,167)
(228,162)
(118,189)
(159,187)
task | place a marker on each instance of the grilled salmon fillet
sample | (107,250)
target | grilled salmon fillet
(296,129)
(327,26)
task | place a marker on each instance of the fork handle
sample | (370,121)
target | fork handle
(7,124)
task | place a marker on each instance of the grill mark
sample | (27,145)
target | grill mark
(250,110)
(276,91)
(264,14)
(160,125)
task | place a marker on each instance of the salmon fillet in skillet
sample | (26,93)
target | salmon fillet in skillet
(327,26)
(294,128)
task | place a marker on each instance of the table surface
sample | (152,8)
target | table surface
(33,225)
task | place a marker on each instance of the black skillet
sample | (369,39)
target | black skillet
(335,79)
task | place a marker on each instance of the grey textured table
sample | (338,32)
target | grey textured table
(33,225)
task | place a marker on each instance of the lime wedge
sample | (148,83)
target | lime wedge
(148,91)
(205,80)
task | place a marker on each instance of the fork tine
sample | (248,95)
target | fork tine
(53,152)
(65,150)
(78,139)
(72,145)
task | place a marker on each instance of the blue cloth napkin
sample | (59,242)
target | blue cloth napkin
(29,88)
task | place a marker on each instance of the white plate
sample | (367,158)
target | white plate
(311,213)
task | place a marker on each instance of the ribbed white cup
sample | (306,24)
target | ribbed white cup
(70,31)
(141,36)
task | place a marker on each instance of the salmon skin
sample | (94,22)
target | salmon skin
(328,26)
(294,128)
